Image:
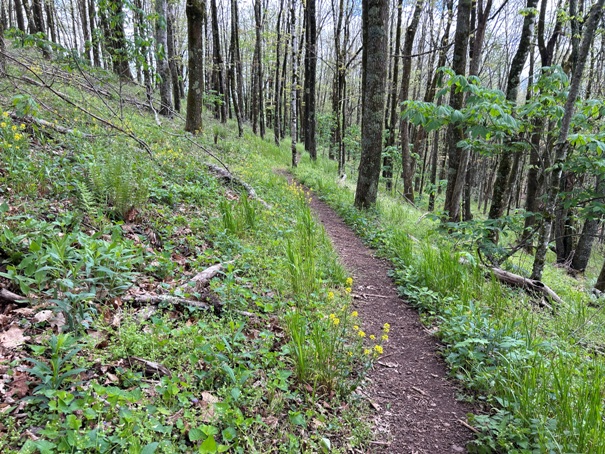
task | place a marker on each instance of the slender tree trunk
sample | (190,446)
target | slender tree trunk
(172,58)
(457,158)
(19,15)
(294,84)
(436,79)
(2,43)
(374,69)
(217,67)
(561,147)
(406,156)
(501,186)
(82,7)
(278,79)
(310,79)
(235,68)
(51,21)
(195,11)
(387,163)
(600,285)
(94,38)
(258,67)
(589,233)
(161,9)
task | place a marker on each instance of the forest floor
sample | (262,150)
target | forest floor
(416,406)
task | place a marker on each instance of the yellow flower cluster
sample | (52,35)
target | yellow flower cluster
(335,320)
(10,137)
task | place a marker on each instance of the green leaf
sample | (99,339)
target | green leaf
(150,448)
(196,434)
(297,418)
(229,434)
(208,446)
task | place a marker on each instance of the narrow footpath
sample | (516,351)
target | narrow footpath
(416,407)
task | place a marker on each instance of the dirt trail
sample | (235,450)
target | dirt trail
(417,410)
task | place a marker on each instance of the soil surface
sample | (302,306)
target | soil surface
(415,402)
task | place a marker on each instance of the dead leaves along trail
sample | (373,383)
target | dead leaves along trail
(415,404)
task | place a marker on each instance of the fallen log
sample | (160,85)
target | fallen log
(202,279)
(146,298)
(228,176)
(530,285)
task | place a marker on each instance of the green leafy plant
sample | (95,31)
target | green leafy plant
(58,371)
(118,181)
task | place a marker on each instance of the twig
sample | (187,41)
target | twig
(418,390)
(468,426)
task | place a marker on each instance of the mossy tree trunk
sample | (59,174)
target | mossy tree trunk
(374,70)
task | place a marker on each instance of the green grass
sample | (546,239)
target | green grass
(86,222)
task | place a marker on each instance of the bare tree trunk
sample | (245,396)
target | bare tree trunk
(236,68)
(217,67)
(278,79)
(82,7)
(96,53)
(458,159)
(294,84)
(310,79)
(374,69)
(196,15)
(387,162)
(258,69)
(19,15)
(501,186)
(406,157)
(172,58)
(161,9)
(588,235)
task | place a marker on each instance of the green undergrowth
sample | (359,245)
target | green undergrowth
(88,224)
(536,377)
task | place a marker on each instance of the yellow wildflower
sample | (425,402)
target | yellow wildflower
(378,349)
(386,328)
(332,316)
(349,282)
(356,328)
(22,125)
(372,337)
(336,321)
(354,314)
(361,333)
(330,295)
(18,136)
(348,290)
(5,114)
(385,337)
(3,124)
(13,127)
(367,351)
